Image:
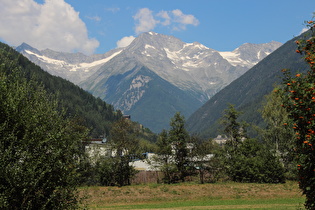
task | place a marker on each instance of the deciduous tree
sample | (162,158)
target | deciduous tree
(247,160)
(40,148)
(125,146)
(278,134)
(299,100)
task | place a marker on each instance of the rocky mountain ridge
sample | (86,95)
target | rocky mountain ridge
(124,77)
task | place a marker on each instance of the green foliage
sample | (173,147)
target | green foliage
(40,148)
(165,158)
(236,131)
(247,160)
(278,134)
(123,141)
(179,137)
(106,171)
(114,171)
(299,100)
(172,152)
(253,162)
(206,159)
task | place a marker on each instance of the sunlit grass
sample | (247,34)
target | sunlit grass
(289,203)
(222,195)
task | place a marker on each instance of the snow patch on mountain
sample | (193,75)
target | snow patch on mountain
(73,67)
(147,46)
(134,93)
(152,33)
(46,59)
(248,54)
(234,59)
(87,66)
(191,56)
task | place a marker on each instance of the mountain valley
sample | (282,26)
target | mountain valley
(155,76)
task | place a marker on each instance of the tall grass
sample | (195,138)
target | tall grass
(224,195)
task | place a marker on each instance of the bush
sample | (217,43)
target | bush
(253,162)
(113,171)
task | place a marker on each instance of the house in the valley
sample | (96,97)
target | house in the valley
(147,163)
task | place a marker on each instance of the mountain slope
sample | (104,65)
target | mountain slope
(194,70)
(247,92)
(94,113)
(149,98)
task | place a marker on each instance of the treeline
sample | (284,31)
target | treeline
(94,113)
(180,157)
(268,158)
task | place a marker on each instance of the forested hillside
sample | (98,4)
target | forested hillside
(248,91)
(93,112)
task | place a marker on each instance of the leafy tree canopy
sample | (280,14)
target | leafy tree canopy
(40,148)
(299,100)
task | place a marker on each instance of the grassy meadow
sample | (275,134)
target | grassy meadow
(222,195)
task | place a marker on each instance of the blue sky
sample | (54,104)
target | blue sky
(97,26)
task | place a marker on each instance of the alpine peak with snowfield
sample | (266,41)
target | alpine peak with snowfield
(118,77)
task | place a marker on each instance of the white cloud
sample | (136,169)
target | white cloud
(167,19)
(176,19)
(113,9)
(144,21)
(124,42)
(183,20)
(95,18)
(54,24)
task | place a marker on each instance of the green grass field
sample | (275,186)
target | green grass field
(196,196)
(289,203)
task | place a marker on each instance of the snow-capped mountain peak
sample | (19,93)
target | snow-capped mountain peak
(75,67)
(248,55)
(155,75)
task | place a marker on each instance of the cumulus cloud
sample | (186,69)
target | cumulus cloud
(184,20)
(146,20)
(54,24)
(167,19)
(124,42)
